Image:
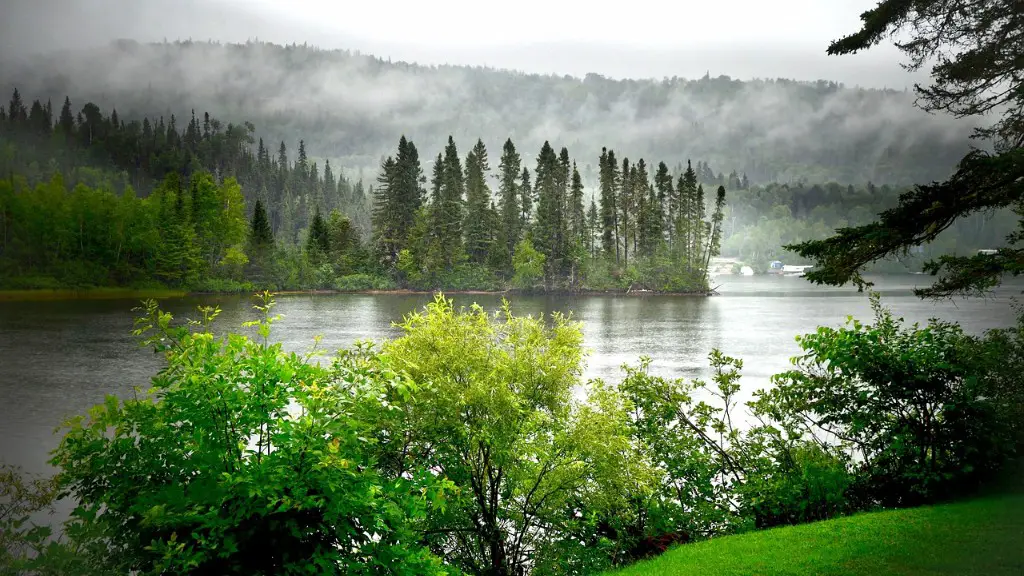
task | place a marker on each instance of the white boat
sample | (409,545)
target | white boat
(794,270)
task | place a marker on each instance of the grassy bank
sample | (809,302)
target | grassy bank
(984,536)
(87,294)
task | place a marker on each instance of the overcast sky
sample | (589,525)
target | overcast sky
(638,39)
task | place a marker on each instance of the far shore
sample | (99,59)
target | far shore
(141,294)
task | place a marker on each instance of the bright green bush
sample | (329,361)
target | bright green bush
(241,459)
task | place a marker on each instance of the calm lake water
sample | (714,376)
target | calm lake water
(59,358)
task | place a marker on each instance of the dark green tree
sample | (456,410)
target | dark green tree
(509,205)
(477,224)
(318,242)
(260,234)
(978,68)
(546,232)
(609,176)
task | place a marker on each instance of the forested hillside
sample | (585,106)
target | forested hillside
(351,108)
(91,199)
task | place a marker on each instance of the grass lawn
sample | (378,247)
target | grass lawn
(984,536)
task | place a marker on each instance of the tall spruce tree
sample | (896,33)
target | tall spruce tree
(477,225)
(511,219)
(450,210)
(608,176)
(546,229)
(526,202)
(577,216)
(260,234)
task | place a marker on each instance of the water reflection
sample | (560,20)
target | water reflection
(59,358)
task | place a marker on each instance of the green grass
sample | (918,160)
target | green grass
(87,294)
(984,536)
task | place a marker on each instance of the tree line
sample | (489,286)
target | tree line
(310,229)
(537,229)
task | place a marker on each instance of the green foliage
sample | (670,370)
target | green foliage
(528,265)
(969,59)
(493,411)
(241,459)
(21,497)
(357,282)
(916,406)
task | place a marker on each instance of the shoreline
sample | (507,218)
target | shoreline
(65,294)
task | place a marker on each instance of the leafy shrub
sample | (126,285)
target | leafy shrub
(494,410)
(917,406)
(356,282)
(222,285)
(242,459)
(804,483)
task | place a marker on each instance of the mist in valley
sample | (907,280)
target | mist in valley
(351,107)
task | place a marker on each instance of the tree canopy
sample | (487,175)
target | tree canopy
(978,54)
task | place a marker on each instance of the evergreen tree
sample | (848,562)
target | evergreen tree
(409,194)
(525,200)
(511,219)
(665,194)
(625,201)
(478,197)
(546,233)
(16,113)
(318,242)
(608,176)
(385,217)
(592,229)
(301,172)
(577,217)
(260,234)
(330,188)
(448,216)
(715,234)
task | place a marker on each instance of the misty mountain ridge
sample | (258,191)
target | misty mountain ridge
(352,108)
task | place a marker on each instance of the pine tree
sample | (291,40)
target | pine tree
(525,200)
(317,242)
(577,217)
(330,188)
(478,198)
(260,234)
(715,235)
(510,216)
(302,166)
(449,213)
(666,201)
(625,208)
(546,228)
(16,113)
(608,176)
(384,215)
(592,228)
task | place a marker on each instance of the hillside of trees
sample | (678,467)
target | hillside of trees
(70,213)
(351,108)
(91,199)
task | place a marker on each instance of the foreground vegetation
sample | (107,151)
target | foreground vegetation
(471,445)
(973,537)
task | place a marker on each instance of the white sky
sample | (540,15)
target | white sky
(632,39)
(661,24)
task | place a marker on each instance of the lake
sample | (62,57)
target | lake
(59,358)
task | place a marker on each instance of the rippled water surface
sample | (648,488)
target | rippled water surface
(59,358)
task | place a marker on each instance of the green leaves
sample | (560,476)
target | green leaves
(904,400)
(240,445)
